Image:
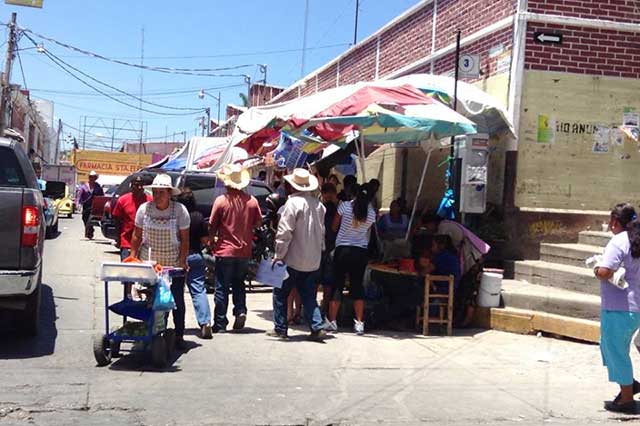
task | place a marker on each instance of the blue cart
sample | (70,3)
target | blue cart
(149,332)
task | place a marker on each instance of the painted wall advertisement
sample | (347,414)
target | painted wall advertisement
(108,163)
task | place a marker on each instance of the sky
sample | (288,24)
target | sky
(197,34)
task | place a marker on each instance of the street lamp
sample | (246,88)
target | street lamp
(201,95)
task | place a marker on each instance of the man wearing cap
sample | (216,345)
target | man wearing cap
(299,245)
(234,215)
(161,234)
(85,197)
(124,214)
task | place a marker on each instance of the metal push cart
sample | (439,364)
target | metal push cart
(149,333)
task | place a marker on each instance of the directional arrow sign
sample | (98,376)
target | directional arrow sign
(548,38)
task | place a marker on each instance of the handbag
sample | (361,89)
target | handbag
(163,298)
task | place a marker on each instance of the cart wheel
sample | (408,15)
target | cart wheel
(115,349)
(158,352)
(101,349)
(170,339)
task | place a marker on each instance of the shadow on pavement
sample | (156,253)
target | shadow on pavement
(15,346)
(141,361)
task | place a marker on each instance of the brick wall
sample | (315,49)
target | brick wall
(469,17)
(409,40)
(614,10)
(490,66)
(585,51)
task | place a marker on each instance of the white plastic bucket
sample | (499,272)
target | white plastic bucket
(490,286)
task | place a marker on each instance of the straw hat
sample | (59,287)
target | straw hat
(163,181)
(302,180)
(234,176)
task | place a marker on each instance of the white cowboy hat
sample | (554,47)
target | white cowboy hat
(163,181)
(234,176)
(302,180)
(93,173)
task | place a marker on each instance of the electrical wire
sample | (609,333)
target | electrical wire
(63,65)
(147,93)
(224,55)
(122,92)
(168,70)
(112,97)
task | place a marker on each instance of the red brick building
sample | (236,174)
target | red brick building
(567,70)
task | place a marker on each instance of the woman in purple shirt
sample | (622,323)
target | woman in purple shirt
(620,315)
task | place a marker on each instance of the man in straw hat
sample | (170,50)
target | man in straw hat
(299,244)
(85,198)
(161,234)
(234,215)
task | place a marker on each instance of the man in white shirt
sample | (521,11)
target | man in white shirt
(299,245)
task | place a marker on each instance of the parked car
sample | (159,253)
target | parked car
(22,234)
(50,217)
(59,192)
(203,185)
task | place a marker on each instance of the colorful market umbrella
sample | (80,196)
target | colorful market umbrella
(391,124)
(477,105)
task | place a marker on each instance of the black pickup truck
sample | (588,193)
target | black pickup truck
(22,234)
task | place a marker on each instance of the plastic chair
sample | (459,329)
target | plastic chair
(445,308)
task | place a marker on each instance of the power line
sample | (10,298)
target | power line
(224,55)
(46,52)
(109,96)
(63,65)
(168,70)
(147,93)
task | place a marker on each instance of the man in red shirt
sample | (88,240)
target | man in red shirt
(234,215)
(124,214)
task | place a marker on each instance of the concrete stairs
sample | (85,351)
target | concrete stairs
(556,294)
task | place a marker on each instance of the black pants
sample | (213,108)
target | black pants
(351,261)
(86,218)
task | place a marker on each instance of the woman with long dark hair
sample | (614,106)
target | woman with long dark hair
(353,223)
(620,315)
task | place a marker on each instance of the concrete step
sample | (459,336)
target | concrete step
(523,295)
(573,278)
(525,321)
(594,238)
(568,254)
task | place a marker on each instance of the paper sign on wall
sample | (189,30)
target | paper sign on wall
(546,129)
(630,117)
(601,140)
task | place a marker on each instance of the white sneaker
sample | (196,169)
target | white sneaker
(358,327)
(330,326)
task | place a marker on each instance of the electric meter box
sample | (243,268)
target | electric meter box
(473,150)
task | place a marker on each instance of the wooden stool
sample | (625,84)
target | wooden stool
(445,309)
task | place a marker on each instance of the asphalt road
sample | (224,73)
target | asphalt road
(481,377)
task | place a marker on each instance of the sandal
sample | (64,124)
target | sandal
(625,408)
(636,390)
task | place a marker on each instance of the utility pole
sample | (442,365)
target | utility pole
(304,38)
(355,29)
(6,76)
(247,79)
(56,159)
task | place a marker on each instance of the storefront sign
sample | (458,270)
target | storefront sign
(28,3)
(109,163)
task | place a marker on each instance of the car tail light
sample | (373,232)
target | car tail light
(30,226)
(107,208)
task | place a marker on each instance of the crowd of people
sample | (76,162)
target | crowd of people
(326,237)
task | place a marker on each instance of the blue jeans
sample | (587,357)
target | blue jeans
(306,283)
(230,274)
(177,289)
(195,282)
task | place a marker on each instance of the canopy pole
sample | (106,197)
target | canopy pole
(415,202)
(361,154)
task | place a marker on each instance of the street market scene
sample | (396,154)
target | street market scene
(354,212)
